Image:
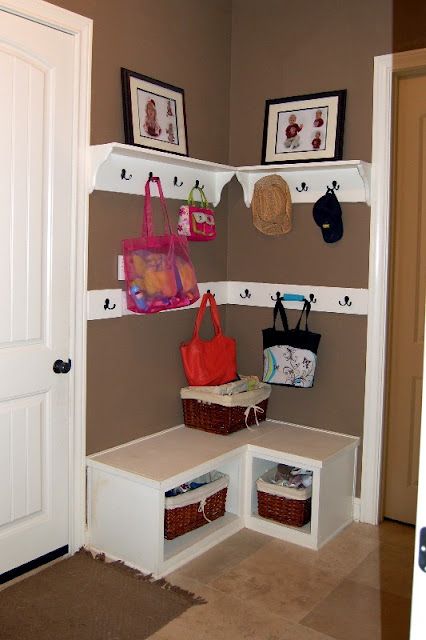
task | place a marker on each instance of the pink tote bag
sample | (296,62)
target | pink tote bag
(159,272)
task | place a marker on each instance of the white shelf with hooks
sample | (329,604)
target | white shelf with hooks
(125,169)
(309,181)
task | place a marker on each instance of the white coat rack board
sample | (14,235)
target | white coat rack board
(111,303)
(125,169)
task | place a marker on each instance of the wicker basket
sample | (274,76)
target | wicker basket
(224,414)
(194,509)
(215,418)
(283,504)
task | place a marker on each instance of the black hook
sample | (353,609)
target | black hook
(312,298)
(247,294)
(123,175)
(150,176)
(303,187)
(346,302)
(106,305)
(277,298)
(213,294)
(197,185)
(175,182)
(334,186)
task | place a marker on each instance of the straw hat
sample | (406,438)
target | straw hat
(271,206)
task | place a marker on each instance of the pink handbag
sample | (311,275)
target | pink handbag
(159,272)
(197,222)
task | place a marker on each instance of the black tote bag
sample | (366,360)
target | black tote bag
(290,355)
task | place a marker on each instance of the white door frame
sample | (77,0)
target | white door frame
(375,383)
(81,29)
(418,598)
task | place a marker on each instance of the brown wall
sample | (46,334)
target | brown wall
(275,49)
(324,405)
(134,370)
(285,49)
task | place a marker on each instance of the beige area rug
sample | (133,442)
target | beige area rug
(82,598)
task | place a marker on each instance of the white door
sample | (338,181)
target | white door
(36,120)
(418,624)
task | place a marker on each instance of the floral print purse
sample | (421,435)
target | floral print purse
(290,356)
(196,221)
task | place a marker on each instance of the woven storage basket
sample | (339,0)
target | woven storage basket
(224,414)
(283,504)
(195,508)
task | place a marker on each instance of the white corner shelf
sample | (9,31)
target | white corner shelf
(309,181)
(125,169)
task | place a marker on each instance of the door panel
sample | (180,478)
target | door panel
(25,88)
(23,429)
(36,127)
(408,283)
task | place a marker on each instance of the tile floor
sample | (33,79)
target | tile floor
(357,587)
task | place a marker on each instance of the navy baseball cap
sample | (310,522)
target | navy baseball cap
(328,216)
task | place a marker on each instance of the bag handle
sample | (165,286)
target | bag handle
(279,307)
(147,225)
(214,314)
(306,310)
(203,199)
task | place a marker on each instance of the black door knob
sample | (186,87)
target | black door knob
(59,366)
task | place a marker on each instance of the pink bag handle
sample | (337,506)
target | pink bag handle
(147,226)
(207,297)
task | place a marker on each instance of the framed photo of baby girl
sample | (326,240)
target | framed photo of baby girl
(154,113)
(304,128)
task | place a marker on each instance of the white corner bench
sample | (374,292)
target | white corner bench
(126,487)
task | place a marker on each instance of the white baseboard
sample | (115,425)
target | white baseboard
(356,509)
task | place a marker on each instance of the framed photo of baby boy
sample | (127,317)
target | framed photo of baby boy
(154,113)
(304,128)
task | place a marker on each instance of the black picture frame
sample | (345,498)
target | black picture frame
(307,128)
(153,113)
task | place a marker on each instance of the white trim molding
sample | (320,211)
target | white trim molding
(356,505)
(83,34)
(81,29)
(385,67)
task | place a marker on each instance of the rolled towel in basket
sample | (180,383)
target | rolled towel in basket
(246,383)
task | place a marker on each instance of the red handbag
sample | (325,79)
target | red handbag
(209,362)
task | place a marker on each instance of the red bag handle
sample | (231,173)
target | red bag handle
(214,313)
(147,226)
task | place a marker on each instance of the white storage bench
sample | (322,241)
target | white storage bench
(126,487)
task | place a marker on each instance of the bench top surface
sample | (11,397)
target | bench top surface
(178,450)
